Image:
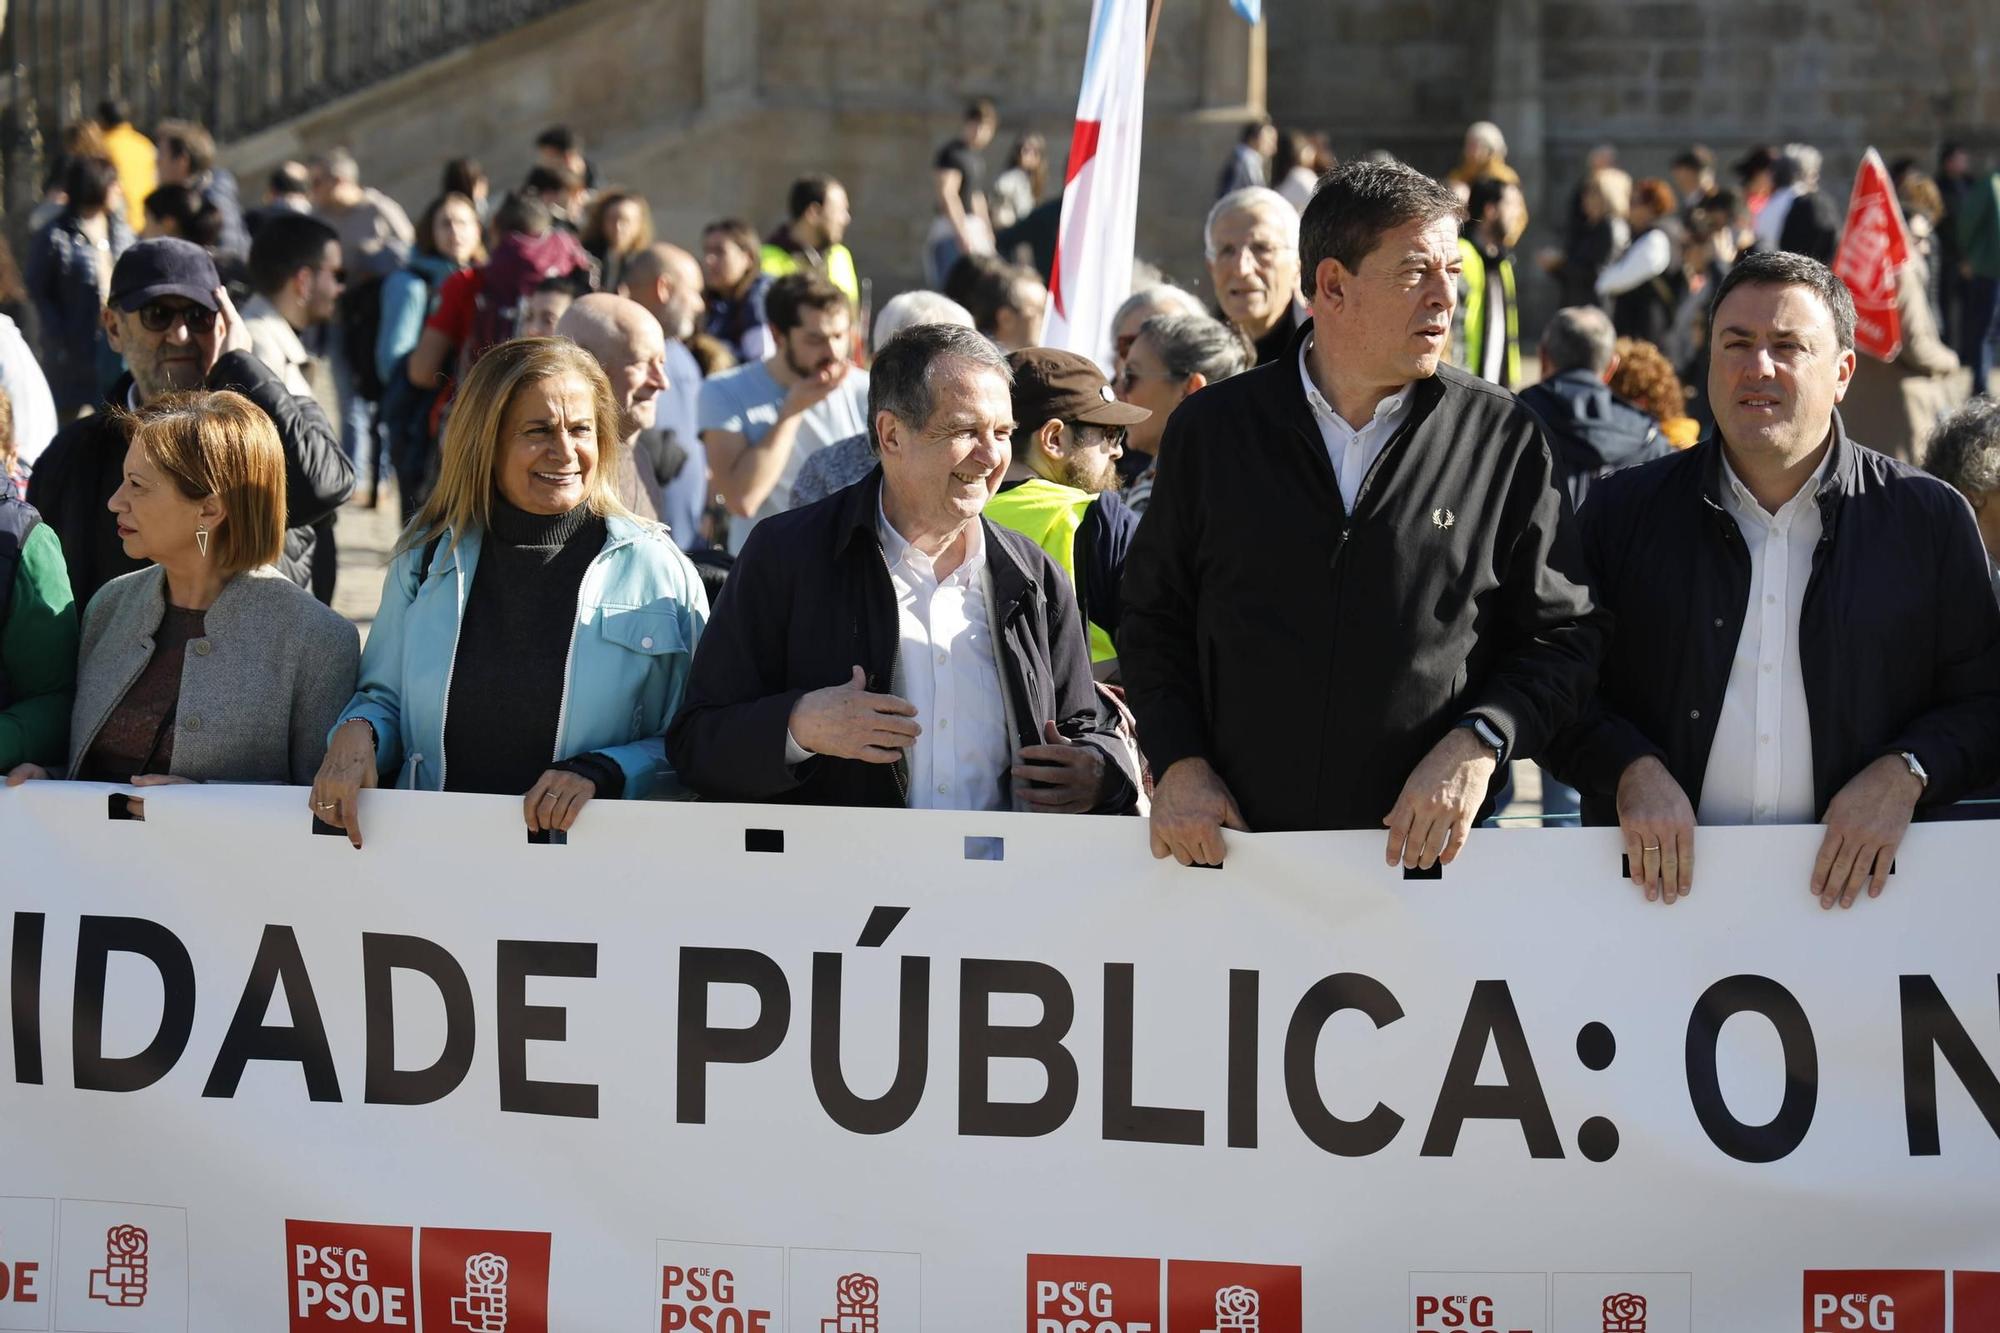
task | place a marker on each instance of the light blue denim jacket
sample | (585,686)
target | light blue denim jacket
(640,612)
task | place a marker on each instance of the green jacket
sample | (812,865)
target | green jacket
(38,656)
(1979,227)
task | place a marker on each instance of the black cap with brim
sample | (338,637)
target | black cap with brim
(164,266)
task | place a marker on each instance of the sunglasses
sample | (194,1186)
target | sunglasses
(160,316)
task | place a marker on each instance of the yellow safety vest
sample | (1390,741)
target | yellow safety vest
(776,261)
(1472,311)
(1048,514)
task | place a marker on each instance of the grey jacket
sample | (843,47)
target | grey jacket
(259,691)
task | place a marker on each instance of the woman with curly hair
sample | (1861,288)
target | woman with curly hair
(1645,378)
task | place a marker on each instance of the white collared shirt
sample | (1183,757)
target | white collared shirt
(950,671)
(1760,768)
(1352,452)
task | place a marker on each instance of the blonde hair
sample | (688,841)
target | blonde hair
(1614,187)
(222,444)
(469,454)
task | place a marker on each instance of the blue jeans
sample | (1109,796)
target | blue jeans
(359,439)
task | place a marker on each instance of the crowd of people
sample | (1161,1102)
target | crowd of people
(1321,552)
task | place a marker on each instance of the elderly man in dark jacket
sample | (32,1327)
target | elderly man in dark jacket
(889,646)
(177,329)
(1357,589)
(1804,627)
(1591,431)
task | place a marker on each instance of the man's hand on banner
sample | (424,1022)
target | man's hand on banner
(136,805)
(1658,823)
(1865,824)
(1191,807)
(349,766)
(1063,777)
(1433,815)
(21,773)
(848,722)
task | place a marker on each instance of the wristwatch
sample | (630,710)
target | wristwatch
(1916,769)
(1488,736)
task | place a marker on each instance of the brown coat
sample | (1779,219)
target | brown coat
(1891,406)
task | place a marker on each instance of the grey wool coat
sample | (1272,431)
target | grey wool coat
(259,691)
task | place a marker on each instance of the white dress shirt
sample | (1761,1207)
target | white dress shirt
(950,671)
(1760,768)
(1352,451)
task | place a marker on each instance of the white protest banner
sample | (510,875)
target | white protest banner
(733,1069)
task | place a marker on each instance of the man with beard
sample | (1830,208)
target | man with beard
(1061,490)
(891,646)
(628,343)
(1252,242)
(762,421)
(812,239)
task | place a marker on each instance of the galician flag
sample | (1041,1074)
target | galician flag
(1100,208)
(1874,246)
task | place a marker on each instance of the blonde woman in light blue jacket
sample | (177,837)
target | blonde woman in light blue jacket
(534,636)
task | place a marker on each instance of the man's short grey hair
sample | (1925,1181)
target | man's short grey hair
(1965,448)
(339,164)
(1579,337)
(912,308)
(1197,344)
(1253,199)
(1166,298)
(902,379)
(1802,164)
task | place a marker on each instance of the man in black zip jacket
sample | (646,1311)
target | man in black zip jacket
(889,646)
(1358,588)
(1804,628)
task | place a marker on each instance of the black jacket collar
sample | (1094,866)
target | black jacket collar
(1014,580)
(1297,412)
(1842,479)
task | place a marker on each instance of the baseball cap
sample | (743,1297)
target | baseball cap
(164,266)
(1063,386)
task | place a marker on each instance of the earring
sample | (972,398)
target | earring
(201,539)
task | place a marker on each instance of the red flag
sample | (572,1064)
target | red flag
(1873,249)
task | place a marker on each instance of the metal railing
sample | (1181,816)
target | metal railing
(234,66)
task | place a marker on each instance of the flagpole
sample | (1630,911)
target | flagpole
(1152,29)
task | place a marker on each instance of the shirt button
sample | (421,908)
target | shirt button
(1694,714)
(1767,668)
(646,642)
(1718,622)
(192,724)
(201,648)
(1765,739)
(943,722)
(1771,598)
(943,658)
(943,787)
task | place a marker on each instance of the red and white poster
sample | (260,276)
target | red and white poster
(1874,246)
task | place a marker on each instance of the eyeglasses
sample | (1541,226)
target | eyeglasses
(160,316)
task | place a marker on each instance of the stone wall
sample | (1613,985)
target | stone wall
(711,107)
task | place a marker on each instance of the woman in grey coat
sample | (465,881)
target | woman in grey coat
(207,666)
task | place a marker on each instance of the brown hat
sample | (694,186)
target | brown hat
(1062,386)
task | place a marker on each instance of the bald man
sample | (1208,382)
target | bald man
(627,342)
(667,281)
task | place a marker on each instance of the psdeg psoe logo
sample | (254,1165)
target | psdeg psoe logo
(857,1300)
(708,1288)
(1876,1301)
(1479,1302)
(1071,1293)
(344,1276)
(1208,1297)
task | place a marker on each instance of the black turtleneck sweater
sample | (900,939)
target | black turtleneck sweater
(507,679)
